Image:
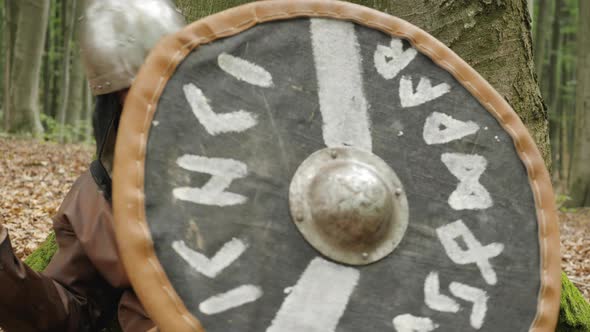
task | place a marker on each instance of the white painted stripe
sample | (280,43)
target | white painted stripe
(425,92)
(244,70)
(477,296)
(231,299)
(223,172)
(338,64)
(230,251)
(318,300)
(434,299)
(214,123)
(409,323)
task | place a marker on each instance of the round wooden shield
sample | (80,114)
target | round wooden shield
(319,166)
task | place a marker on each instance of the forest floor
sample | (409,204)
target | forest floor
(35,177)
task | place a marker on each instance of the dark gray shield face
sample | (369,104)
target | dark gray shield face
(241,114)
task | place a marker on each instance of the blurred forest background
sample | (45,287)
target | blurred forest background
(44,93)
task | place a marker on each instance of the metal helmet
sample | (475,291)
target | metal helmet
(116,36)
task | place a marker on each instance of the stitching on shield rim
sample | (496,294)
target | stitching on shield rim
(549,289)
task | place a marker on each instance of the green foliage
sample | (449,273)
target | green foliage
(574,312)
(56,132)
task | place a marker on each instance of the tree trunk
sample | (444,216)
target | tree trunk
(47,66)
(2,57)
(86,118)
(580,175)
(541,27)
(26,66)
(74,102)
(554,81)
(69,17)
(492,36)
(10,17)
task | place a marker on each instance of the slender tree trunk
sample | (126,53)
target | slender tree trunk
(580,176)
(10,18)
(498,46)
(56,56)
(26,65)
(541,28)
(70,18)
(86,117)
(554,81)
(47,69)
(2,57)
(74,102)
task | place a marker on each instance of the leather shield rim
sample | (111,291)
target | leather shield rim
(133,237)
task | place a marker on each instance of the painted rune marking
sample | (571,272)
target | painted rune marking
(390,60)
(230,251)
(318,300)
(425,92)
(440,128)
(215,123)
(475,253)
(244,70)
(409,323)
(343,104)
(434,299)
(478,297)
(468,168)
(223,172)
(234,298)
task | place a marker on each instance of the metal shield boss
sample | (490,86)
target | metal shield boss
(288,166)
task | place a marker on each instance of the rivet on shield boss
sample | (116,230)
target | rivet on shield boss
(340,179)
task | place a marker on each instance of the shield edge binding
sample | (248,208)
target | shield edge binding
(132,232)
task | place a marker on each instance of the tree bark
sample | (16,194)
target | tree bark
(29,40)
(580,175)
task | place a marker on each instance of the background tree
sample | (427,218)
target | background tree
(27,21)
(580,174)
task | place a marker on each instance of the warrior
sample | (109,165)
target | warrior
(85,284)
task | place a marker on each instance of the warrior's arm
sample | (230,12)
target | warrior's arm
(70,295)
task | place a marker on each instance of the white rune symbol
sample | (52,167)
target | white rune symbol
(475,253)
(436,301)
(410,323)
(440,128)
(222,171)
(390,60)
(425,92)
(470,194)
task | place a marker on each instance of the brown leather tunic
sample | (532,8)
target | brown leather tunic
(85,283)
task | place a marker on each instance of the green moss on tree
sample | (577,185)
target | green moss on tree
(574,312)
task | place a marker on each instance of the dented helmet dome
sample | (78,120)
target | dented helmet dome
(117,35)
